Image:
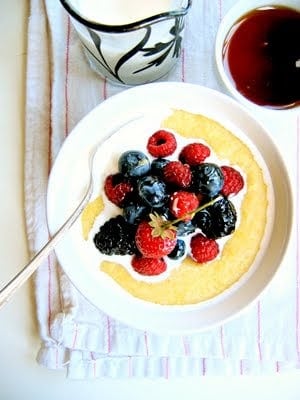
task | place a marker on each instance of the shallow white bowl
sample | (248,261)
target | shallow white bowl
(241,8)
(69,177)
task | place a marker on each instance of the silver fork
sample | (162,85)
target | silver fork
(21,277)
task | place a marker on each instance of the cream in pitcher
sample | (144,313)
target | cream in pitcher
(121,12)
(127,42)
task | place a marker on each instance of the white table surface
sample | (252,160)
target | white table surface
(20,376)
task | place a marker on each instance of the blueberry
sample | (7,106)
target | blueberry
(217,220)
(153,191)
(157,165)
(134,213)
(165,212)
(178,251)
(204,221)
(184,228)
(134,163)
(208,179)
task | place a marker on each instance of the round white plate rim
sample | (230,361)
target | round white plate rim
(161,319)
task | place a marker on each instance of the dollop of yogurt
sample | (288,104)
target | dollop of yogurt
(135,137)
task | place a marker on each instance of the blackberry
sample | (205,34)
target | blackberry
(116,236)
(217,220)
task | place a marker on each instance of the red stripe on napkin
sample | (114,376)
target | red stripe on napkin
(298,241)
(67,77)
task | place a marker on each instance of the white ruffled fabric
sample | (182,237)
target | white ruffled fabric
(61,89)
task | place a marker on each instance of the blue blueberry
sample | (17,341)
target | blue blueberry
(207,179)
(135,212)
(157,165)
(165,212)
(153,191)
(184,228)
(133,163)
(178,251)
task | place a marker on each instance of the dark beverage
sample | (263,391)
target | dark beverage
(261,55)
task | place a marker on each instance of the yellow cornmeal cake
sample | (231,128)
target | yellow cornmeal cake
(90,213)
(191,282)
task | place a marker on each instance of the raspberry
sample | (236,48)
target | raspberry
(148,266)
(194,153)
(154,246)
(177,173)
(203,249)
(116,189)
(161,144)
(233,181)
(182,203)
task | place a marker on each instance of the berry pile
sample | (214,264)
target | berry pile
(169,208)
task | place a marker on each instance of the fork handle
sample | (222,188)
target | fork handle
(12,286)
(21,277)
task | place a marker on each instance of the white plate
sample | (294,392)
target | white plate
(69,177)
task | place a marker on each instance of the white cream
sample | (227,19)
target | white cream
(120,12)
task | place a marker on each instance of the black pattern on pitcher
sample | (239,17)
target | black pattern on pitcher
(162,50)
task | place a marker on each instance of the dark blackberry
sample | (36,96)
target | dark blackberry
(116,236)
(217,220)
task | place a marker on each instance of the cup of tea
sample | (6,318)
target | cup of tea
(258,53)
(127,42)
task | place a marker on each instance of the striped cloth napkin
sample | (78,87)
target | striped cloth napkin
(61,89)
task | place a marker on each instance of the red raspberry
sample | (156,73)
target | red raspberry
(116,189)
(194,153)
(233,181)
(203,249)
(154,246)
(182,203)
(148,266)
(177,173)
(161,144)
